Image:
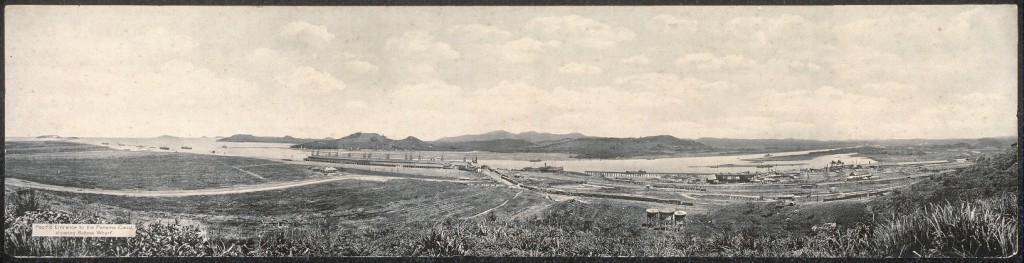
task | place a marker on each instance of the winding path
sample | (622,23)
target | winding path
(496,207)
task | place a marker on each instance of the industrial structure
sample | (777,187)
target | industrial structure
(544,169)
(640,174)
(665,217)
(386,159)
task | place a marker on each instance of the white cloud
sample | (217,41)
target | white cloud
(484,32)
(307,79)
(665,21)
(420,69)
(160,38)
(435,95)
(577,29)
(673,86)
(579,68)
(180,79)
(361,67)
(270,60)
(764,30)
(421,44)
(308,34)
(772,24)
(355,105)
(636,60)
(505,103)
(711,61)
(889,89)
(792,65)
(525,49)
(417,55)
(173,99)
(948,52)
(815,72)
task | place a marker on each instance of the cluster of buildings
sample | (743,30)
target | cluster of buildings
(544,169)
(327,170)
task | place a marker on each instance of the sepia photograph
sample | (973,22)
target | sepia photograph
(861,131)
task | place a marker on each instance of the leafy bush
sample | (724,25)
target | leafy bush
(161,238)
(953,230)
(20,202)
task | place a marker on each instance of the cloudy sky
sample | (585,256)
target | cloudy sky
(854,72)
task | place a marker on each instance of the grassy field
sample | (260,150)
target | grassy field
(320,198)
(29,147)
(357,202)
(77,165)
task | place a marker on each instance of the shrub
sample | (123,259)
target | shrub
(443,241)
(161,238)
(951,230)
(21,201)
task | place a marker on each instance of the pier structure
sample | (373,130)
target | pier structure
(642,174)
(383,159)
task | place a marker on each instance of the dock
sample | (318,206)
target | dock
(640,174)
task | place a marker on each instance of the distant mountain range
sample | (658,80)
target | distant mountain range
(581,146)
(602,147)
(799,144)
(776,144)
(980,142)
(374,141)
(530,136)
(251,138)
(591,147)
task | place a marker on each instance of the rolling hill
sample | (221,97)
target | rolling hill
(496,145)
(530,136)
(775,144)
(374,141)
(582,147)
(623,147)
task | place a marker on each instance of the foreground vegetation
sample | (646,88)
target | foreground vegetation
(971,213)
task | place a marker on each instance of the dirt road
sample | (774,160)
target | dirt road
(496,207)
(220,191)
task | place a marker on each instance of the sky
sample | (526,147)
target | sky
(819,72)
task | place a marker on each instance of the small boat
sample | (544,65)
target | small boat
(165,148)
(534,160)
(186,147)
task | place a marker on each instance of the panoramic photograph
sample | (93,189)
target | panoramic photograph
(527,131)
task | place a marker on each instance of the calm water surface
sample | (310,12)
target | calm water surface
(501,160)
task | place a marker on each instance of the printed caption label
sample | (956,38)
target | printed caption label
(83,230)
